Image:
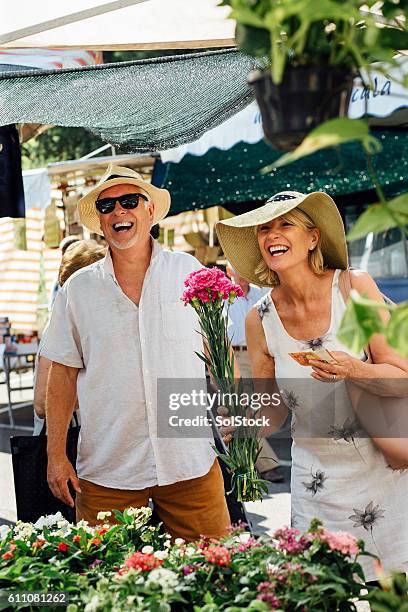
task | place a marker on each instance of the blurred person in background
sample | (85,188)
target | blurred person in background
(81,253)
(63,246)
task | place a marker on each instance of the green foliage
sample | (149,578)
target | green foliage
(361,321)
(56,145)
(393,597)
(332,133)
(323,33)
(397,329)
(381,217)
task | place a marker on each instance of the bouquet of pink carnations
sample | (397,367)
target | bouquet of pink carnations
(208,290)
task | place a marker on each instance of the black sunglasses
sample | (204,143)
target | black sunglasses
(127,201)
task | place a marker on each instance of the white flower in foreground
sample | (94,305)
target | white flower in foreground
(103,515)
(244,537)
(24,531)
(144,511)
(161,554)
(179,541)
(49,520)
(147,550)
(93,605)
(190,551)
(166,579)
(4,530)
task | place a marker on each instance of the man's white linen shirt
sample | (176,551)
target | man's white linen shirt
(237,312)
(121,350)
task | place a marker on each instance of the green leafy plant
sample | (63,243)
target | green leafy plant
(325,33)
(392,597)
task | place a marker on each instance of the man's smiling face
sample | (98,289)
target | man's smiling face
(124,228)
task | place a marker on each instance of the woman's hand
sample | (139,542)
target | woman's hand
(345,367)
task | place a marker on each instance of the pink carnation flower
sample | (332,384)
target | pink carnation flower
(290,540)
(340,541)
(210,284)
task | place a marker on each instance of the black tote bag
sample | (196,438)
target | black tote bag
(33,495)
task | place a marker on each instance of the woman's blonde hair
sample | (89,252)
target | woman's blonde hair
(78,255)
(316,262)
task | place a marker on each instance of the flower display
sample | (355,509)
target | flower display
(210,293)
(141,569)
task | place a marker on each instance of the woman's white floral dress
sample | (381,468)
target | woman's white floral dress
(337,475)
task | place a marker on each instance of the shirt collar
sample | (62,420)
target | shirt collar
(108,263)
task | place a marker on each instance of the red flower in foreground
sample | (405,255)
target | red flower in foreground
(142,561)
(63,547)
(102,531)
(7,555)
(217,555)
(95,541)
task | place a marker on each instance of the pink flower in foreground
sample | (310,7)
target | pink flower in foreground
(290,540)
(209,284)
(267,596)
(341,541)
(141,561)
(217,555)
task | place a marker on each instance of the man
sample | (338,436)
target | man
(267,461)
(118,326)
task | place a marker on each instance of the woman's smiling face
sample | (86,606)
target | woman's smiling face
(284,245)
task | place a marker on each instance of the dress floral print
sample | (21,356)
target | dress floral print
(316,343)
(263,306)
(368,517)
(347,432)
(317,482)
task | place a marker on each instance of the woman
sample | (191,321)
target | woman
(77,255)
(296,244)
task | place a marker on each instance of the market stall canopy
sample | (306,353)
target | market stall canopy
(46,59)
(29,59)
(144,106)
(385,104)
(232,178)
(124,24)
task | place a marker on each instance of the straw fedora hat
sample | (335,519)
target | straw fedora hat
(119,175)
(240,244)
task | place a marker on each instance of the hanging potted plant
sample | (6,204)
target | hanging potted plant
(313,49)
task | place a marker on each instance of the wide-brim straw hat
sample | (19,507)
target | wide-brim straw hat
(240,244)
(119,175)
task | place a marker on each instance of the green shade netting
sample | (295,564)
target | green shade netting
(146,105)
(230,177)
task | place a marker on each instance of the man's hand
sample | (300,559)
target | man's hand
(60,473)
(226,430)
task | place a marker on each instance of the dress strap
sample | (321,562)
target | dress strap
(267,313)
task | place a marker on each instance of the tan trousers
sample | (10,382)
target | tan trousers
(188,509)
(267,459)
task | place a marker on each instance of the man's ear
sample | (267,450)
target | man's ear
(150,210)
